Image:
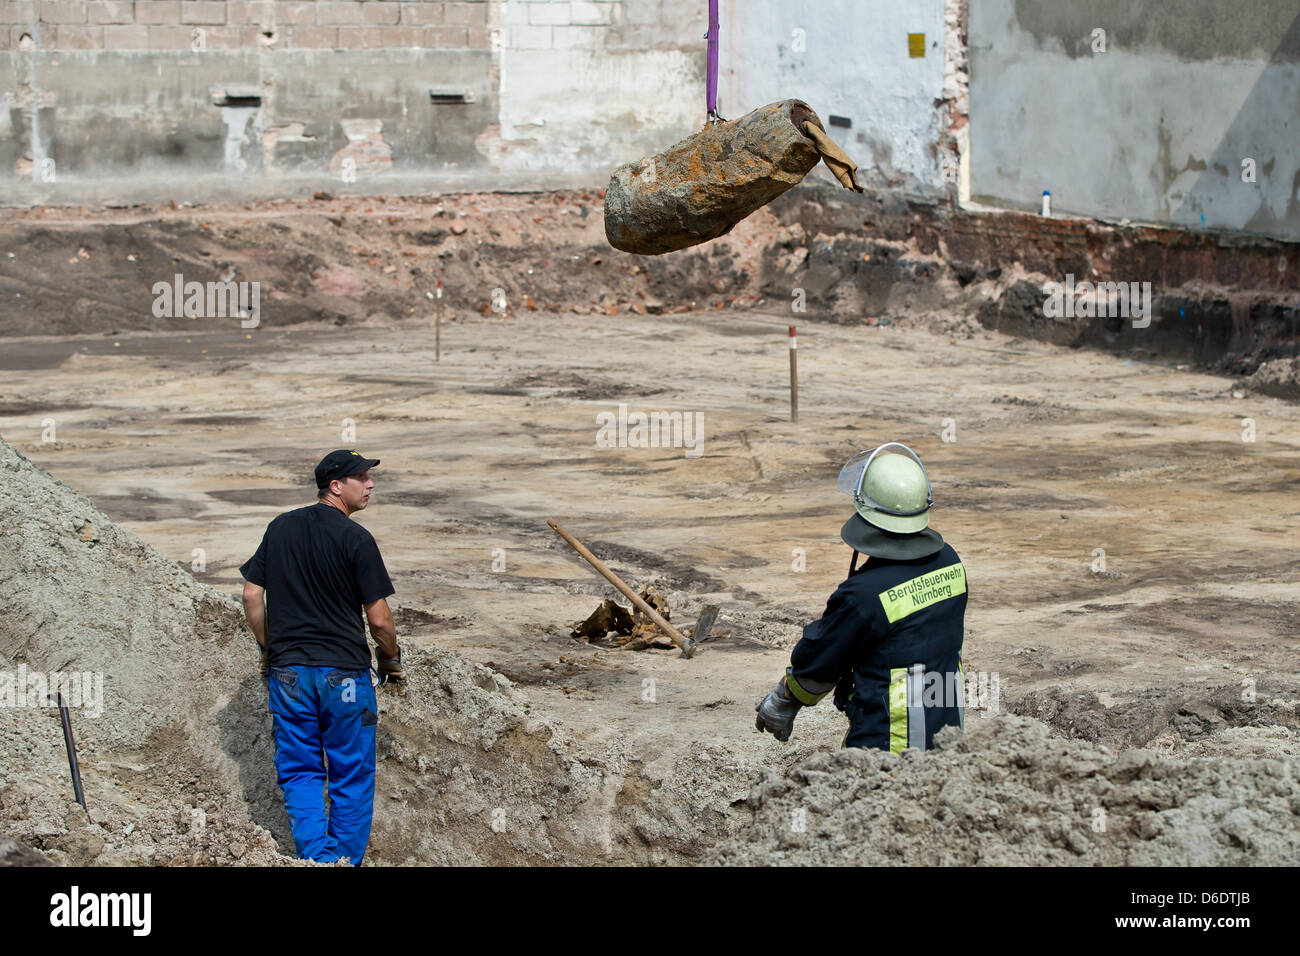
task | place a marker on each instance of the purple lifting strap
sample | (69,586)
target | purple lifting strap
(713,58)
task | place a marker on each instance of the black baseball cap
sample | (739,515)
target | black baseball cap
(340,464)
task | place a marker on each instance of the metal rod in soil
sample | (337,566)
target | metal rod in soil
(71,746)
(794,376)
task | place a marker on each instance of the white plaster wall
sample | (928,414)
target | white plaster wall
(582,110)
(855,63)
(587,86)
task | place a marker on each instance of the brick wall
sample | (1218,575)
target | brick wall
(250,24)
(346,24)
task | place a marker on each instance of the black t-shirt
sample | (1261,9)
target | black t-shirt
(318,567)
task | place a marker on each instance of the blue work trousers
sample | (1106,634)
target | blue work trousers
(324,716)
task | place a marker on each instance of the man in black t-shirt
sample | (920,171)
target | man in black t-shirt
(304,592)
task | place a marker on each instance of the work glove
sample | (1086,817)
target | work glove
(391,670)
(776,711)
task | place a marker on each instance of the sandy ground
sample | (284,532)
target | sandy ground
(196,441)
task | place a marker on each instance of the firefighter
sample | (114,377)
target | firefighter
(889,643)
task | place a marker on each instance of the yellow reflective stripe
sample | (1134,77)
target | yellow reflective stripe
(897,710)
(801,695)
(922,591)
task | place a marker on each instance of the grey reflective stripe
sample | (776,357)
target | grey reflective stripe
(915,709)
(961,696)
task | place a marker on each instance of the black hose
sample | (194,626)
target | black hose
(72,752)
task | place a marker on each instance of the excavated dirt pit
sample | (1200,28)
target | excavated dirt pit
(1128,529)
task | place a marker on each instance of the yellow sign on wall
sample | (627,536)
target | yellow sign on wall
(916,45)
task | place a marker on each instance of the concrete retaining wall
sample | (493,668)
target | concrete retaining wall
(1140,109)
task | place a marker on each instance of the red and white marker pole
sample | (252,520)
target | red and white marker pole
(794,376)
(437,326)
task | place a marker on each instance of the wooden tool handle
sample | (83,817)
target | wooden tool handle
(615,580)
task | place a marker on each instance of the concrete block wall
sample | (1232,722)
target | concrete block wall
(224,98)
(197,99)
(1141,110)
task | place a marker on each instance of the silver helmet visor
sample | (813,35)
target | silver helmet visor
(851,475)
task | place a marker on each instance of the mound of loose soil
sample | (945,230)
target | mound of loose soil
(1008,793)
(1169,718)
(1277,377)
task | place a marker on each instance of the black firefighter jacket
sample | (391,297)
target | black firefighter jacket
(889,644)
